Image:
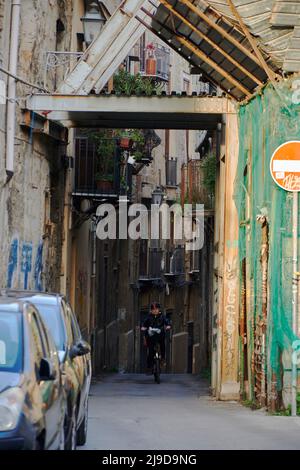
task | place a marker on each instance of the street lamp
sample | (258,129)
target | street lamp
(93,21)
(157,196)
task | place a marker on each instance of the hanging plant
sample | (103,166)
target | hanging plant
(209,166)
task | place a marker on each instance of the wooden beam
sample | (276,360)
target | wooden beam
(214,65)
(230,386)
(212,43)
(252,41)
(210,62)
(156,33)
(220,30)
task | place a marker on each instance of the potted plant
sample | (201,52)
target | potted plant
(104,182)
(105,159)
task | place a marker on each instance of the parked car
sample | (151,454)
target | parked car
(32,398)
(74,356)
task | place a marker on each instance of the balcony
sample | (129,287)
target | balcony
(175,263)
(150,262)
(57,65)
(90,181)
(156,66)
(171,172)
(193,188)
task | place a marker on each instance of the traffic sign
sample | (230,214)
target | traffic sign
(285,166)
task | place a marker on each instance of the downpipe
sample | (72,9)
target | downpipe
(11,89)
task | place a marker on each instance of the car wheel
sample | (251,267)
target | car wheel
(70,430)
(82,430)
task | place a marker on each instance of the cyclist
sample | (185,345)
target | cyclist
(155,320)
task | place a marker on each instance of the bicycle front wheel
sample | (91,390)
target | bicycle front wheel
(157,371)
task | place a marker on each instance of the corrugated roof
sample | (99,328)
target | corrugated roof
(213,43)
(273,22)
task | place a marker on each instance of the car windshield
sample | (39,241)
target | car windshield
(53,321)
(11,342)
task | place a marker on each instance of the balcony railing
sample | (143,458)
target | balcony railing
(57,64)
(175,261)
(162,55)
(86,169)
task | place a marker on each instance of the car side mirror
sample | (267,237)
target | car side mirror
(80,349)
(46,371)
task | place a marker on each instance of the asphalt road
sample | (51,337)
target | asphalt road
(131,412)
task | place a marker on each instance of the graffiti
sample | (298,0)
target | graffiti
(12,262)
(38,268)
(26,262)
(230,315)
(21,261)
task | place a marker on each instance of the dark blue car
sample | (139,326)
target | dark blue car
(32,399)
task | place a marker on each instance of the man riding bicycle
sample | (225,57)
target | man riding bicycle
(155,320)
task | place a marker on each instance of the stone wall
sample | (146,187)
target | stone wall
(32,202)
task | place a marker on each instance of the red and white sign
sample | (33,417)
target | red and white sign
(285,166)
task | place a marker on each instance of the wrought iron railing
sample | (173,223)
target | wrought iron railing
(57,64)
(162,55)
(175,261)
(87,178)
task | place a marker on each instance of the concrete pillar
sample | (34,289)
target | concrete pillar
(230,386)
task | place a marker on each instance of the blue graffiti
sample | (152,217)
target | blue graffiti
(12,262)
(38,268)
(26,262)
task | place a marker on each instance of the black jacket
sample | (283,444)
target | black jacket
(156,321)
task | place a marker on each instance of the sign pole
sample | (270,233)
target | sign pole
(285,171)
(295,298)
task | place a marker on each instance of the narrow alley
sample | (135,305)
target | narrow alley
(149,225)
(131,412)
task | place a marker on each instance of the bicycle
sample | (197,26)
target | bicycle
(156,363)
(157,355)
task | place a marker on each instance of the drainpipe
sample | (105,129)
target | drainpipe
(11,91)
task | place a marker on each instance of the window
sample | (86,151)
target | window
(70,334)
(11,342)
(74,324)
(38,352)
(171,172)
(51,316)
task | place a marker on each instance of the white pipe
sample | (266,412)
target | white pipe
(11,90)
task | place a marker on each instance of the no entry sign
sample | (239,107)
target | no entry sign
(285,166)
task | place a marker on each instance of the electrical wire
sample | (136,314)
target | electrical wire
(19,79)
